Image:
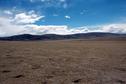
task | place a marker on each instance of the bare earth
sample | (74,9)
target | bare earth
(63,62)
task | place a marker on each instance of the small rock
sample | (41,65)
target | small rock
(77,81)
(18,76)
(6,71)
(121,81)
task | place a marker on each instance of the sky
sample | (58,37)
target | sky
(61,16)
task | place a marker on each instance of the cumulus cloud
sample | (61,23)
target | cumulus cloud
(17,24)
(24,23)
(111,28)
(64,29)
(114,28)
(23,18)
(7,28)
(50,29)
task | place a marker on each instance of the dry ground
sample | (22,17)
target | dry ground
(63,62)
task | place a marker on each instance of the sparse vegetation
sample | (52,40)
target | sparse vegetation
(63,62)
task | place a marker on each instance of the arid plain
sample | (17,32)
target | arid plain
(63,62)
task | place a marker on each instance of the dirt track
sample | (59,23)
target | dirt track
(63,62)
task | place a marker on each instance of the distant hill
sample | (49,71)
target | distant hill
(86,36)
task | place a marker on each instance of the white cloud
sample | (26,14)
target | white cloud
(111,28)
(49,29)
(18,23)
(67,17)
(114,28)
(8,12)
(7,28)
(24,24)
(23,18)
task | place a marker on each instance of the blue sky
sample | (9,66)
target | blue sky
(71,13)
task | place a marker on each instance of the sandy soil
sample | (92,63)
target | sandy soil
(63,62)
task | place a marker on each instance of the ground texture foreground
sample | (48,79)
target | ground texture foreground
(63,62)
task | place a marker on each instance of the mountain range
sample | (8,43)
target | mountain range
(85,36)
